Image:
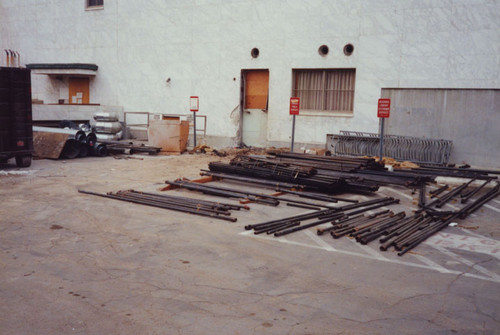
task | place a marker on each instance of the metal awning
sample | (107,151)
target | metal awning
(64,69)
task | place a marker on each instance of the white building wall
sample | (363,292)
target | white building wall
(202,46)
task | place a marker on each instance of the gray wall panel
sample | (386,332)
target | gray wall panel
(468,117)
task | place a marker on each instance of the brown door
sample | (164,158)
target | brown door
(255,86)
(79,90)
(256,89)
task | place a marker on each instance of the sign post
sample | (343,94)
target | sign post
(383,112)
(194,105)
(294,110)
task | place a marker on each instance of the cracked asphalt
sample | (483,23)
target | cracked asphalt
(72,263)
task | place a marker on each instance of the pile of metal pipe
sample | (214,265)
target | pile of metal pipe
(394,230)
(266,199)
(329,184)
(215,210)
(316,196)
(325,174)
(250,180)
(127,147)
(78,144)
(275,166)
(336,163)
(465,194)
(225,192)
(296,223)
(480,174)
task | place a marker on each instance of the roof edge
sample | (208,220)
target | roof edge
(62,66)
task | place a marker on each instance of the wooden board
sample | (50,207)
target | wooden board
(256,89)
(48,145)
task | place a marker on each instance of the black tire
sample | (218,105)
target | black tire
(23,161)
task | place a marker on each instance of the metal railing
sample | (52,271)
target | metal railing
(415,149)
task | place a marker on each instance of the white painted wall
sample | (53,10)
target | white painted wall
(202,45)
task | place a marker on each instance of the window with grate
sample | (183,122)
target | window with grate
(95,3)
(330,90)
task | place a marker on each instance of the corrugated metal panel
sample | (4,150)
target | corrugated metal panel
(468,117)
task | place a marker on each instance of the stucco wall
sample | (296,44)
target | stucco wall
(202,45)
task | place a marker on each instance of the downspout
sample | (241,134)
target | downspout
(18,59)
(7,57)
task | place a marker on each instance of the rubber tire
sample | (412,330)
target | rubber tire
(23,161)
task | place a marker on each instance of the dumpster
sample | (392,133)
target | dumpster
(16,133)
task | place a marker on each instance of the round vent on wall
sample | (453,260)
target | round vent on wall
(323,50)
(255,52)
(348,49)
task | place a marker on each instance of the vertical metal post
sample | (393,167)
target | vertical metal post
(293,132)
(194,128)
(381,138)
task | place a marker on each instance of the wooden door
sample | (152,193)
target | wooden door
(254,118)
(256,89)
(79,91)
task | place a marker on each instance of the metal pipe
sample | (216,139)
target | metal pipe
(421,198)
(381,222)
(100,150)
(427,235)
(407,231)
(309,225)
(230,206)
(198,208)
(466,197)
(111,196)
(84,150)
(438,191)
(247,194)
(189,201)
(318,196)
(250,180)
(303,206)
(90,139)
(223,192)
(345,230)
(325,212)
(277,229)
(71,149)
(375,232)
(469,209)
(75,134)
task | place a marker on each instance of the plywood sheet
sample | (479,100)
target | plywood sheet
(48,145)
(256,89)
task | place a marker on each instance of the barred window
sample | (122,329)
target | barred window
(95,3)
(325,89)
